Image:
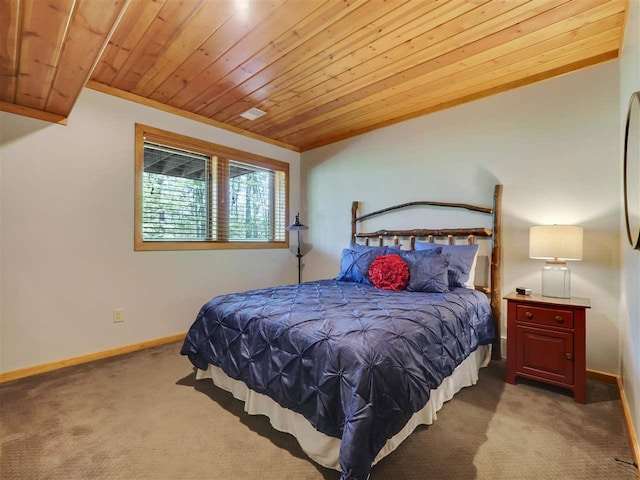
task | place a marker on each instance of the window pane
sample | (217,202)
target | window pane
(175,199)
(251,203)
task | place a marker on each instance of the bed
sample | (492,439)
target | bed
(346,367)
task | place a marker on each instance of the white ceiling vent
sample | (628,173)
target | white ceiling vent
(252,114)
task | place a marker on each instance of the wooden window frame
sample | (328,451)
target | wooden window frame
(146,133)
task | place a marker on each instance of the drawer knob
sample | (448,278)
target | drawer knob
(559,319)
(528,314)
(569,356)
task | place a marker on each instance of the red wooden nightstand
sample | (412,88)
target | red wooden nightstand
(546,340)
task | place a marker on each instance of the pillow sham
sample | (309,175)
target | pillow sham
(359,247)
(354,264)
(389,272)
(462,265)
(428,270)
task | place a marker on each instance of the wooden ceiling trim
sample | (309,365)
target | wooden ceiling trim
(346,134)
(456,38)
(369,25)
(170,21)
(319,68)
(116,92)
(290,31)
(204,23)
(627,6)
(32,113)
(501,74)
(44,27)
(365,61)
(130,30)
(530,45)
(490,83)
(317,114)
(10,34)
(473,44)
(505,74)
(223,39)
(89,32)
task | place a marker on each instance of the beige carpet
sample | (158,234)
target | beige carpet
(143,416)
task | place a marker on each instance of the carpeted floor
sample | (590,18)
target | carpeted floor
(143,416)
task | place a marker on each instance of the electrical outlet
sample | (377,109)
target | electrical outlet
(118,315)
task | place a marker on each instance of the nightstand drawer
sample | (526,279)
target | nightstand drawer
(555,317)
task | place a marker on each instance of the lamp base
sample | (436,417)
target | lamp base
(556,280)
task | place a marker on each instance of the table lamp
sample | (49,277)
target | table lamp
(556,244)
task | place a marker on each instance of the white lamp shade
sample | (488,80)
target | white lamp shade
(549,242)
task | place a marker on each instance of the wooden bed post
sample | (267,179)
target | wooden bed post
(496,272)
(354,216)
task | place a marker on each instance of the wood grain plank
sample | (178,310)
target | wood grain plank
(130,31)
(557,15)
(355,30)
(561,70)
(44,26)
(470,86)
(91,25)
(9,48)
(164,28)
(229,33)
(529,45)
(399,62)
(194,34)
(320,21)
(341,70)
(576,60)
(284,20)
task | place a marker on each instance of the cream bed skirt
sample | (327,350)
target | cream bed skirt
(325,450)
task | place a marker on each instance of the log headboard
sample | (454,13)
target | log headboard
(493,235)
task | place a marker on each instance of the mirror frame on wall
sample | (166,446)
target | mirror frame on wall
(632,187)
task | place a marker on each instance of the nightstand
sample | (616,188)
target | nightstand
(546,340)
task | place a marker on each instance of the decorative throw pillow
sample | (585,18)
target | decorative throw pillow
(428,270)
(389,272)
(354,265)
(366,248)
(462,262)
(380,250)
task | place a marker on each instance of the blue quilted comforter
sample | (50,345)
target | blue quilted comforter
(354,360)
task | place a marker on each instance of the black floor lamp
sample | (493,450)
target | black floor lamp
(298,227)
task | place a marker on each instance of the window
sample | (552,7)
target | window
(192,194)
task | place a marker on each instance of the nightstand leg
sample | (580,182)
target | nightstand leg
(580,377)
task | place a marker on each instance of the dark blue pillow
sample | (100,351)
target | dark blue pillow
(428,270)
(364,248)
(354,264)
(383,250)
(462,257)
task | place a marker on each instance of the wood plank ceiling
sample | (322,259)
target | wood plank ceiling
(322,70)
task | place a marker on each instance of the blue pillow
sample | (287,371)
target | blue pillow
(428,270)
(462,257)
(358,247)
(354,264)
